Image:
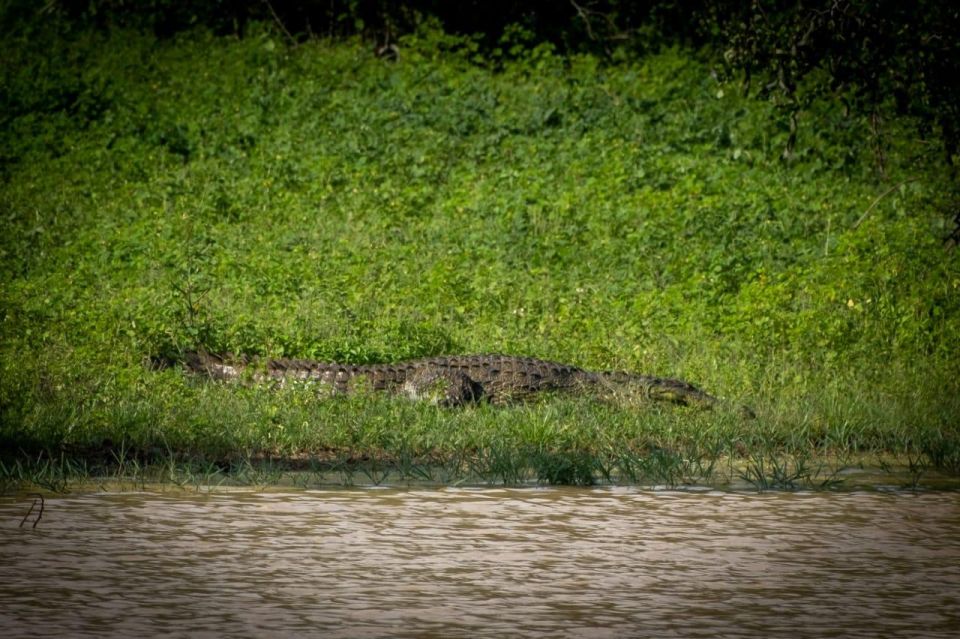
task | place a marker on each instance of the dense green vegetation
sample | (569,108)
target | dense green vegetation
(243,195)
(858,52)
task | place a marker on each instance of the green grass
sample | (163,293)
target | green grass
(319,202)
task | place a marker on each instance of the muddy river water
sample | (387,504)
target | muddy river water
(482,563)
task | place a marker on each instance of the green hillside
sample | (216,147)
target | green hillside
(247,196)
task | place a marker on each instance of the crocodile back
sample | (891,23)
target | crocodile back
(506,378)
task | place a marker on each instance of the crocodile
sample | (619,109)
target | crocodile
(454,380)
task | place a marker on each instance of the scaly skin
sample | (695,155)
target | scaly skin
(457,379)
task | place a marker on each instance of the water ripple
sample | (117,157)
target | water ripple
(483,562)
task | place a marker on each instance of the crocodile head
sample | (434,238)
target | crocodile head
(630,388)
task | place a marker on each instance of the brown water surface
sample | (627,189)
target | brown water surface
(483,563)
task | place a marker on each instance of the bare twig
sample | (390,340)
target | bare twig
(276,18)
(877,201)
(954,238)
(586,19)
(32,506)
(877,135)
(586,14)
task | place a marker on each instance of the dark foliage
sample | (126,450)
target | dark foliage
(867,51)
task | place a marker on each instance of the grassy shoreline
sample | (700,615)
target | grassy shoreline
(657,472)
(318,202)
(217,433)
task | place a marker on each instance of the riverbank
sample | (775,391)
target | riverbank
(373,440)
(753,476)
(242,195)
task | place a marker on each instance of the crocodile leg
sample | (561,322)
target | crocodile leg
(442,387)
